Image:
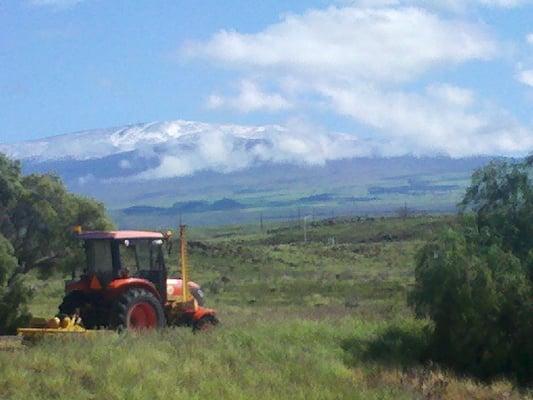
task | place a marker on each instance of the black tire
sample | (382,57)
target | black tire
(205,323)
(120,312)
(71,302)
(78,302)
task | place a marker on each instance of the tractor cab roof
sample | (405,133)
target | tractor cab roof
(119,235)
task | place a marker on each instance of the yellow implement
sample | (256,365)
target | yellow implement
(41,327)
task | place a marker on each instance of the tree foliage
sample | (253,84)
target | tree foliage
(37,214)
(13,295)
(475,282)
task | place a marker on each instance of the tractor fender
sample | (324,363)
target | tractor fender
(118,286)
(201,312)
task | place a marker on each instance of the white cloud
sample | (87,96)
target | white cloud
(85,179)
(526,77)
(529,38)
(250,98)
(230,148)
(423,123)
(361,62)
(351,43)
(452,95)
(124,164)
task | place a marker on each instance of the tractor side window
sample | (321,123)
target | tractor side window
(99,258)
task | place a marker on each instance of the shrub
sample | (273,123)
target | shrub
(13,295)
(475,284)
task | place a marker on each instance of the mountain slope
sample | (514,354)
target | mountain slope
(269,170)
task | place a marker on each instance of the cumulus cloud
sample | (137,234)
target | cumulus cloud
(250,98)
(526,77)
(124,164)
(352,43)
(529,38)
(440,120)
(85,179)
(360,62)
(230,148)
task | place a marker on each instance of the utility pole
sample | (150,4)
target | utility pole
(261,221)
(305,228)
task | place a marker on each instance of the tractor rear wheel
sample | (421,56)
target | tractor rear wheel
(137,309)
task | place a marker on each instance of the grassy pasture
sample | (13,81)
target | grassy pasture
(326,319)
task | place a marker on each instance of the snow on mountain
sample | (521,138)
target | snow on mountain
(98,143)
(183,147)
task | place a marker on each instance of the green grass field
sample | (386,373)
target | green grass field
(326,319)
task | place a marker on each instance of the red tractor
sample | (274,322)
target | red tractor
(125,285)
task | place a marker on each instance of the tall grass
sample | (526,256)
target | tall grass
(299,321)
(262,355)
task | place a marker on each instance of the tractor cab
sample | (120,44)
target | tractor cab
(113,258)
(125,284)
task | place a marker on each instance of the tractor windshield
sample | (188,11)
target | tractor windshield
(139,257)
(143,258)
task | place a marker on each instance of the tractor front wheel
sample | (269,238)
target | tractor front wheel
(137,309)
(77,302)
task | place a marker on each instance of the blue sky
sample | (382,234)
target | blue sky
(453,77)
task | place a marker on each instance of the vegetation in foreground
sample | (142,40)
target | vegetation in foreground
(256,354)
(299,320)
(325,318)
(475,282)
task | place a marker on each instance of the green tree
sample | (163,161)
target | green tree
(13,295)
(474,282)
(37,214)
(501,196)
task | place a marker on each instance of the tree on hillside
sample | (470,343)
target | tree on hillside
(501,195)
(475,283)
(37,214)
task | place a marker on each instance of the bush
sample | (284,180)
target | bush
(13,295)
(475,283)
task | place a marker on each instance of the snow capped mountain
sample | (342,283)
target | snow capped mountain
(179,148)
(161,163)
(98,143)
